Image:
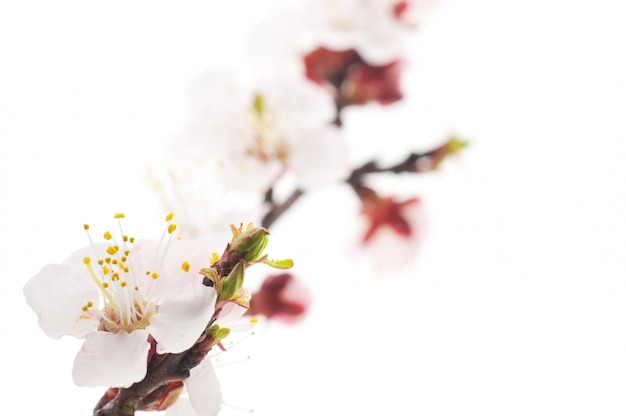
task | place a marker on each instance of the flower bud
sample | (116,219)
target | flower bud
(246,245)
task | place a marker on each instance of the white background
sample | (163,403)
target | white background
(516,302)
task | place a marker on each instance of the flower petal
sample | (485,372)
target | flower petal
(321,158)
(182,317)
(58,294)
(116,360)
(182,407)
(204,390)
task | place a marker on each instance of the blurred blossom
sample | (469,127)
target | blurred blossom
(256,135)
(205,207)
(375,28)
(352,80)
(392,228)
(282,297)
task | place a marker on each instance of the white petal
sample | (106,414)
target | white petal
(182,317)
(231,316)
(57,294)
(299,104)
(251,174)
(115,360)
(321,158)
(182,407)
(204,389)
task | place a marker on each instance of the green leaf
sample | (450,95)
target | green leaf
(280,264)
(231,283)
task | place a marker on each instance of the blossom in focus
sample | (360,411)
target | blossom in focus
(352,80)
(282,297)
(257,135)
(123,297)
(375,28)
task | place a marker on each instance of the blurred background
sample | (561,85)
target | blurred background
(515,303)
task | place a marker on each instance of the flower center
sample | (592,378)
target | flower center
(269,142)
(127,287)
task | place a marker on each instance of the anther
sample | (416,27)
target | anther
(107,235)
(87,260)
(185,266)
(171,228)
(155,275)
(86,226)
(119,215)
(169,216)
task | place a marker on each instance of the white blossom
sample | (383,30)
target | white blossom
(117,296)
(256,135)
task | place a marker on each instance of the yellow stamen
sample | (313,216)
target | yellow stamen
(107,235)
(171,228)
(123,284)
(86,226)
(155,275)
(185,266)
(87,262)
(119,215)
(169,216)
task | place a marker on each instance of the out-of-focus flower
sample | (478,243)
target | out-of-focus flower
(282,297)
(375,28)
(204,206)
(392,228)
(352,80)
(257,135)
(122,297)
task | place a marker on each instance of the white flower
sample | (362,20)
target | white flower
(117,296)
(204,206)
(375,28)
(257,135)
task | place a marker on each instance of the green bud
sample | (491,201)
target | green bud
(217,334)
(230,284)
(248,245)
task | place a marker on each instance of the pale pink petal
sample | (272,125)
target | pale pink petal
(321,158)
(182,407)
(58,294)
(299,104)
(251,174)
(204,389)
(182,316)
(115,360)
